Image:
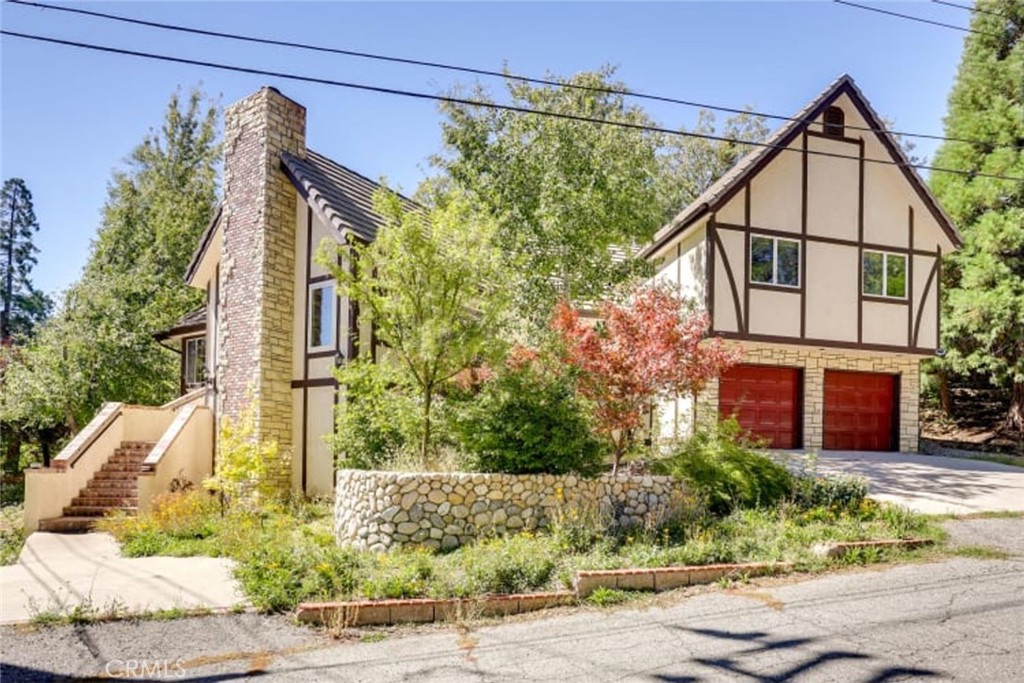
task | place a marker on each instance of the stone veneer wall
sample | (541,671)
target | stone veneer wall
(815,361)
(258,263)
(381,510)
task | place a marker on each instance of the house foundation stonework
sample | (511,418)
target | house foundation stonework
(381,510)
(813,362)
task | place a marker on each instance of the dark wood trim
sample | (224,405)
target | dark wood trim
(875,299)
(796,237)
(803,233)
(774,288)
(938,299)
(316,279)
(910,276)
(825,343)
(204,243)
(709,267)
(860,241)
(329,353)
(897,389)
(740,321)
(352,344)
(315,382)
(746,260)
(305,346)
(924,296)
(837,138)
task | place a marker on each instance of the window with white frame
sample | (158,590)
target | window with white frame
(884,274)
(774,261)
(321,316)
(195,362)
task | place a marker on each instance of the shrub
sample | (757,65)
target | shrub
(509,565)
(247,469)
(525,421)
(377,421)
(842,493)
(719,464)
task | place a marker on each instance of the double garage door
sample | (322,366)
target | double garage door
(859,407)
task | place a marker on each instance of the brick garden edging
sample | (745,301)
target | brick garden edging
(834,550)
(424,610)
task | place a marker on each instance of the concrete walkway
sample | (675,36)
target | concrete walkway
(929,483)
(58,572)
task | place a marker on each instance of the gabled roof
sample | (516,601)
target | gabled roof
(342,197)
(725,187)
(192,322)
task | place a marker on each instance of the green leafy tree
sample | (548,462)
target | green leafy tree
(99,346)
(566,196)
(432,284)
(689,165)
(984,304)
(23,306)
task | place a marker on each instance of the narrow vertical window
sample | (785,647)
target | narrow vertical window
(321,316)
(195,362)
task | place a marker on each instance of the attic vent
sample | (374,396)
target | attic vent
(834,122)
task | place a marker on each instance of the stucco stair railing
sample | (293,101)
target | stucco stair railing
(100,468)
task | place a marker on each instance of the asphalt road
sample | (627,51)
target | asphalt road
(960,619)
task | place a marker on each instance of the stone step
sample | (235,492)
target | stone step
(121,467)
(121,486)
(67,525)
(116,475)
(146,446)
(96,510)
(127,456)
(94,499)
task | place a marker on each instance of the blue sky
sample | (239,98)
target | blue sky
(68,118)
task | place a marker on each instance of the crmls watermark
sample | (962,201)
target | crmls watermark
(145,668)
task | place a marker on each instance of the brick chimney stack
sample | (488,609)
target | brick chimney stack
(257,276)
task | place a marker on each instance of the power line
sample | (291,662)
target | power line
(479,103)
(454,67)
(911,17)
(976,8)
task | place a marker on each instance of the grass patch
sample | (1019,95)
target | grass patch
(980,552)
(606,597)
(12,533)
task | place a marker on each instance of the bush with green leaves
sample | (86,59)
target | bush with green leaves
(377,420)
(249,471)
(721,465)
(835,492)
(526,421)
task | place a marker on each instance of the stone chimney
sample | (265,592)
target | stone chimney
(257,274)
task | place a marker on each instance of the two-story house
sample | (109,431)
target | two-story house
(820,256)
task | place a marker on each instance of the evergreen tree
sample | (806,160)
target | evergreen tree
(984,306)
(23,306)
(99,346)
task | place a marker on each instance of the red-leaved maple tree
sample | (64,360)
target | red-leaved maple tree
(653,347)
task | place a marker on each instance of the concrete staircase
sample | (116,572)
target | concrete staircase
(114,487)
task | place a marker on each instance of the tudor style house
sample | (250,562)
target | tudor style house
(820,256)
(821,262)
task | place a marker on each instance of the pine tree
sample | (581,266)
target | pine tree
(984,306)
(23,306)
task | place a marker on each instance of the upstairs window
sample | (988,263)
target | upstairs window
(195,363)
(835,122)
(885,274)
(321,316)
(774,261)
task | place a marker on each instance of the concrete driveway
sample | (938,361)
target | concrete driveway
(929,483)
(61,572)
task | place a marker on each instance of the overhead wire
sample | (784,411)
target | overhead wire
(911,17)
(457,68)
(479,103)
(976,8)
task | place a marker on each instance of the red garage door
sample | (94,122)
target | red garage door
(860,409)
(765,400)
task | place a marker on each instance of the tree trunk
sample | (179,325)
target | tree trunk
(944,400)
(12,451)
(1015,415)
(425,443)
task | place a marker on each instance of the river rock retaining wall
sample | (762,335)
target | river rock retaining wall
(381,510)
